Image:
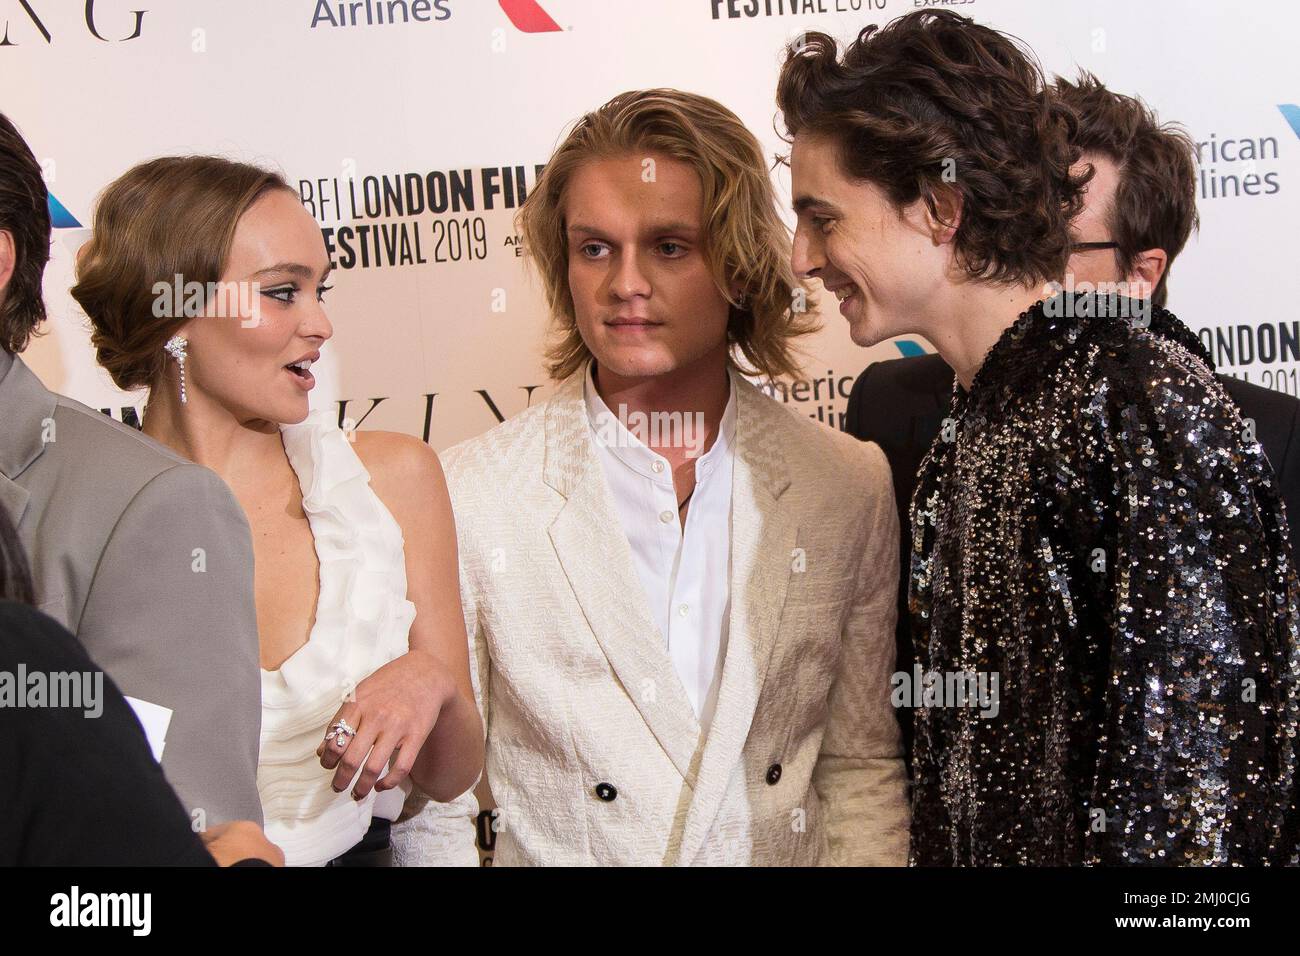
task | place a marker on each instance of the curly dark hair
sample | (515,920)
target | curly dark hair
(25,215)
(1154,206)
(931,102)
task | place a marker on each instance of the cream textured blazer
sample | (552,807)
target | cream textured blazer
(594,754)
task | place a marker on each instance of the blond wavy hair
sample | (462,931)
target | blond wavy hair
(746,242)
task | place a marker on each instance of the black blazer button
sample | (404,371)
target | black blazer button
(606,791)
(773,774)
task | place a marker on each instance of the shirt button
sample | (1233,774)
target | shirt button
(682,609)
(657,466)
(773,774)
(606,791)
(665,516)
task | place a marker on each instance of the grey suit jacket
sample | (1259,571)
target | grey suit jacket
(147,558)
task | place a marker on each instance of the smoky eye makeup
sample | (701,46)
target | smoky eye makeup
(285,292)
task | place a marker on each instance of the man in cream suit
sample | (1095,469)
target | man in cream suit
(144,556)
(682,614)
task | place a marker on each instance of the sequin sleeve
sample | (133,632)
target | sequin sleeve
(1195,761)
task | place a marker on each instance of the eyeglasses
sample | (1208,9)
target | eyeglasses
(1088,246)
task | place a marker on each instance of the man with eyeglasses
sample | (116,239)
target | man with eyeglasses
(1138,213)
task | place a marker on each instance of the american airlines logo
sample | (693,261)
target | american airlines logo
(60,218)
(529,17)
(1291,113)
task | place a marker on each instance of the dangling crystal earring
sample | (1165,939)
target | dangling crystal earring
(175,347)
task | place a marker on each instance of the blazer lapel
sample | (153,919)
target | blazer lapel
(13,498)
(597,560)
(763,539)
(27,407)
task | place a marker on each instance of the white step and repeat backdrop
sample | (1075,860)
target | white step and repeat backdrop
(413,129)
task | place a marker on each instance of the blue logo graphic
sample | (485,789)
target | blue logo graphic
(1292,114)
(60,218)
(909,348)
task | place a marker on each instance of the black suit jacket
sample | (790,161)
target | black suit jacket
(78,790)
(900,404)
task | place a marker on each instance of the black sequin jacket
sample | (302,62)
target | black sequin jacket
(1097,529)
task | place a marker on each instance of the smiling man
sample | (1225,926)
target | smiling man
(683,648)
(1139,211)
(1097,528)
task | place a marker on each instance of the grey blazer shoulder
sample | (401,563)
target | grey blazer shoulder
(147,558)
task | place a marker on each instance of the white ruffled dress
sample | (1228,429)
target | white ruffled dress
(363,620)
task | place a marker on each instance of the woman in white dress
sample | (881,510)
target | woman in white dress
(365,671)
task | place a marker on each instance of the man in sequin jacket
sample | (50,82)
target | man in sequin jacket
(1102,597)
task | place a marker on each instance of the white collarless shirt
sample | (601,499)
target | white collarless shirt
(685,572)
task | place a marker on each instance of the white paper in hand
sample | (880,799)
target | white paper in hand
(155,719)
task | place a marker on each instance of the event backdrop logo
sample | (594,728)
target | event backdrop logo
(528,16)
(418,218)
(369,13)
(1272,343)
(1291,113)
(30,10)
(749,9)
(1230,167)
(60,218)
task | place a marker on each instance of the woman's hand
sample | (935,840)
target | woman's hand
(392,711)
(231,843)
